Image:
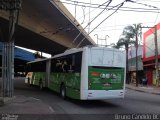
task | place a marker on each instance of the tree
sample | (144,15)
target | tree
(137,32)
(125,41)
(113,45)
(130,36)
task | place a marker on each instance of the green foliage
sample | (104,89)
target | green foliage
(129,35)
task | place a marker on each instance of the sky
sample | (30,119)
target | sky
(111,29)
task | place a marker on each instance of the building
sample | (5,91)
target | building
(132,63)
(149,53)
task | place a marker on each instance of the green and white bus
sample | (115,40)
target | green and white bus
(89,73)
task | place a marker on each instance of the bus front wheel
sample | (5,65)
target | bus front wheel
(63,91)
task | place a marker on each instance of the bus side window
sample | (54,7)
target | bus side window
(53,65)
(64,66)
(70,65)
(73,60)
(73,63)
(61,65)
(78,62)
(58,65)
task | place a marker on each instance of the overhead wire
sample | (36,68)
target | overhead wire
(76,2)
(91,22)
(148,6)
(119,5)
(83,8)
(121,9)
(98,6)
(144,4)
(93,4)
(125,9)
(140,41)
(89,17)
(150,0)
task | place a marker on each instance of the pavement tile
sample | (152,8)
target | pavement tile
(25,105)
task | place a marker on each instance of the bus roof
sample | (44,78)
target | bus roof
(73,50)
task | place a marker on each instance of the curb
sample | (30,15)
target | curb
(156,93)
(4,100)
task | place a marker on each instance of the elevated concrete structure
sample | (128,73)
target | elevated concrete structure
(45,25)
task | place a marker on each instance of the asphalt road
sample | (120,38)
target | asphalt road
(134,103)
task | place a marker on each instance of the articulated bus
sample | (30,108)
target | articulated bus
(88,73)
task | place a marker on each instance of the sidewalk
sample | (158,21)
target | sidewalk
(21,104)
(146,89)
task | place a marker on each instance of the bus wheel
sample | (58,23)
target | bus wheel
(63,91)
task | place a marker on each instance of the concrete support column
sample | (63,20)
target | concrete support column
(48,71)
(8,58)
(8,69)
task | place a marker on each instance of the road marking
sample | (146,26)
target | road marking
(51,109)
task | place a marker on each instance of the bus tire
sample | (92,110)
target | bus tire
(63,91)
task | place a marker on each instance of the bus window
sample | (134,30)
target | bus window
(78,62)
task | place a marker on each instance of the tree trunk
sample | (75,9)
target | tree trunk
(127,74)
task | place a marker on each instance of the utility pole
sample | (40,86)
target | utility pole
(13,7)
(156,54)
(136,60)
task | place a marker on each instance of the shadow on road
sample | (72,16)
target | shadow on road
(92,103)
(22,88)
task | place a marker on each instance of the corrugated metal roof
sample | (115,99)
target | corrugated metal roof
(20,54)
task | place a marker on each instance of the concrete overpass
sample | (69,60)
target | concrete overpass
(44,25)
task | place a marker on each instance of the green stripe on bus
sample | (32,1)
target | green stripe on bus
(71,81)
